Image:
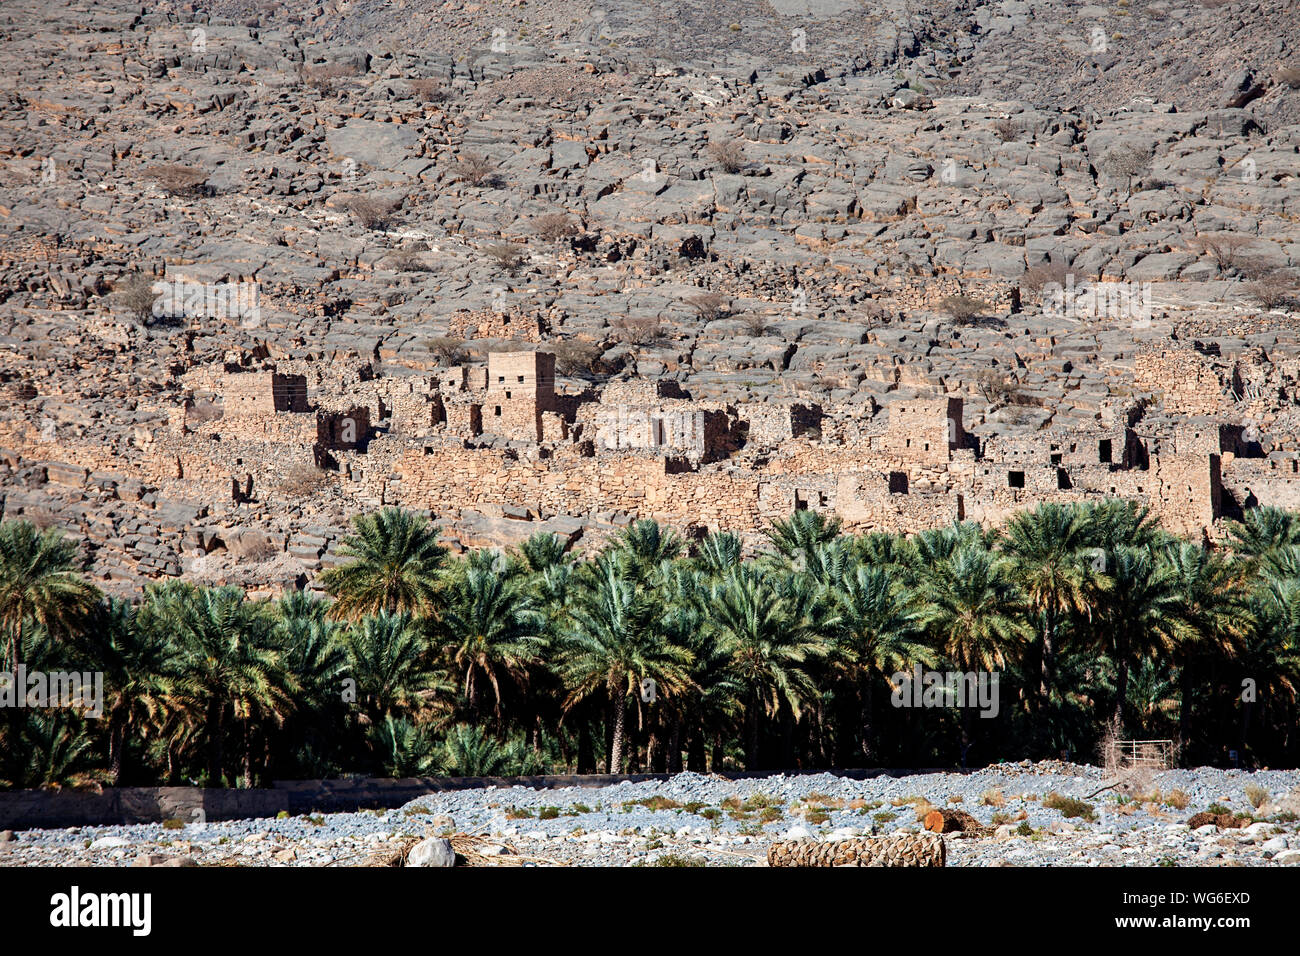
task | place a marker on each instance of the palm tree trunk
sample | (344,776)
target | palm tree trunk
(674,762)
(586,752)
(116,741)
(868,722)
(248,755)
(1121,681)
(1185,707)
(696,760)
(215,741)
(1246,708)
(620,726)
(1048,657)
(751,739)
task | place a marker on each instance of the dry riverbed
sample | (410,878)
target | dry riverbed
(1046,814)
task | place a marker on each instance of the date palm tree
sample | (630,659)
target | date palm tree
(311,646)
(227,671)
(611,645)
(493,628)
(1054,569)
(544,550)
(646,545)
(138,687)
(396,567)
(1139,616)
(972,612)
(769,643)
(797,537)
(388,656)
(879,633)
(718,553)
(1262,530)
(39,585)
(1213,617)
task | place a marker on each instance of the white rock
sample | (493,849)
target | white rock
(798,832)
(434,851)
(1275,845)
(1287,857)
(110,843)
(1257,831)
(1208,830)
(843,833)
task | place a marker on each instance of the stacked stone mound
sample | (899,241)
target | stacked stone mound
(900,849)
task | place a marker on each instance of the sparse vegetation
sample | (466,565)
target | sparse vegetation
(1256,795)
(448,350)
(709,306)
(554,226)
(134,296)
(178,179)
(371,212)
(577,355)
(963,309)
(507,256)
(1070,807)
(429,90)
(476,169)
(1006,130)
(729,155)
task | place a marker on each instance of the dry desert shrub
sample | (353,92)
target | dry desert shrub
(709,305)
(429,90)
(407,260)
(371,212)
(302,480)
(1127,162)
(134,296)
(577,356)
(638,330)
(1256,795)
(1227,250)
(963,309)
(1276,289)
(1037,278)
(1006,131)
(729,155)
(754,323)
(251,546)
(178,179)
(507,256)
(554,226)
(475,169)
(448,350)
(325,77)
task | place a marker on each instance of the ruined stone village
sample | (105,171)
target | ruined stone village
(500,439)
(755,255)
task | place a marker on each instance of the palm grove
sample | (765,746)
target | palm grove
(532,660)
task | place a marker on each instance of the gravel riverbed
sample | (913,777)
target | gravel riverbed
(701,819)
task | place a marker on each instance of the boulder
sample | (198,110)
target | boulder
(434,851)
